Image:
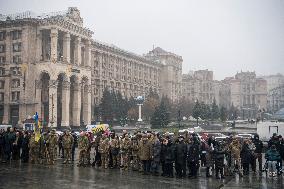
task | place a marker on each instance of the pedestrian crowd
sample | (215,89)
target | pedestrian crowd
(147,152)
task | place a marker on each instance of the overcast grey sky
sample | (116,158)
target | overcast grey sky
(225,36)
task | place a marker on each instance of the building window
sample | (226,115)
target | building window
(2,59)
(15,71)
(17,59)
(2,83)
(2,48)
(2,71)
(1,97)
(15,83)
(15,96)
(2,35)
(17,34)
(17,47)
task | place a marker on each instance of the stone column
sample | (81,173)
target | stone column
(88,54)
(38,104)
(8,47)
(25,45)
(66,48)
(87,105)
(53,44)
(76,109)
(7,92)
(65,103)
(52,103)
(77,51)
(39,55)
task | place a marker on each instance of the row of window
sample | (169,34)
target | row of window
(15,96)
(15,35)
(17,59)
(14,84)
(17,47)
(13,71)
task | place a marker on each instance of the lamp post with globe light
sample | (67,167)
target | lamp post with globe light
(139,100)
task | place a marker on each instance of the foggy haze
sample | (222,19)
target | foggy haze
(225,36)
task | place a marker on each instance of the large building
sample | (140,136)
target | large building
(275,97)
(248,93)
(201,86)
(50,64)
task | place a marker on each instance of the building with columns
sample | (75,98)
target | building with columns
(50,64)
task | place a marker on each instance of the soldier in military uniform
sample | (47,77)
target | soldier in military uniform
(135,153)
(83,147)
(125,151)
(44,154)
(67,142)
(235,149)
(52,143)
(114,150)
(34,149)
(104,148)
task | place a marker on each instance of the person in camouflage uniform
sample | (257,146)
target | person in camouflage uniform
(34,149)
(83,147)
(67,142)
(52,143)
(135,153)
(235,151)
(125,151)
(114,149)
(43,148)
(104,148)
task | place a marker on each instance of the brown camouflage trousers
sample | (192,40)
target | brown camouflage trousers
(105,160)
(67,155)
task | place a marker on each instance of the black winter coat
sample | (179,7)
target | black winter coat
(157,151)
(246,154)
(258,146)
(193,153)
(181,153)
(169,153)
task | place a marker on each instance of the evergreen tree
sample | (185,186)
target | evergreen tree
(215,113)
(151,102)
(97,112)
(196,113)
(106,107)
(161,116)
(223,114)
(121,108)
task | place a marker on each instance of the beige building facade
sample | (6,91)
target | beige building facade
(248,93)
(201,86)
(51,65)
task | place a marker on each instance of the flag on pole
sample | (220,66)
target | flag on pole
(37,131)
